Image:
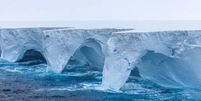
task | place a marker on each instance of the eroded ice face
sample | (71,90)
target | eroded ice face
(169,58)
(166,58)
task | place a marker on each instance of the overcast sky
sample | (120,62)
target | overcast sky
(64,10)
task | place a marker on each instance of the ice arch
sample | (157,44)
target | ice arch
(60,45)
(92,51)
(89,54)
(16,41)
(172,72)
(170,50)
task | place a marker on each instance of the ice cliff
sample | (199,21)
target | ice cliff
(16,41)
(60,45)
(167,58)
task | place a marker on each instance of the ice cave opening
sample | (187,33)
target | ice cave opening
(171,72)
(33,56)
(134,75)
(88,56)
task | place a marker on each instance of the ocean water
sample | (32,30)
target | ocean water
(30,81)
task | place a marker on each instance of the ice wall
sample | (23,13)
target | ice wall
(16,41)
(169,58)
(60,45)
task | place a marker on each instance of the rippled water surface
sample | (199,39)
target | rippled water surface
(21,81)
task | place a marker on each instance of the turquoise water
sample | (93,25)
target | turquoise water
(22,81)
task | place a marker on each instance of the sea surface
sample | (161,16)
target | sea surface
(31,82)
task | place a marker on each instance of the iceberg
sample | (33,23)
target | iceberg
(167,58)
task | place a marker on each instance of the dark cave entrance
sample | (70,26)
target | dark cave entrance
(33,57)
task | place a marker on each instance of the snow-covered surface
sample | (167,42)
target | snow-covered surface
(167,58)
(139,26)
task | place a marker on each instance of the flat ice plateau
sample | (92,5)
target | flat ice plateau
(167,57)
